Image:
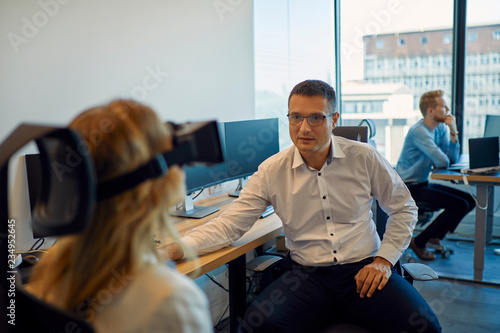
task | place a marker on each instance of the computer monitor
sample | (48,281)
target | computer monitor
(199,177)
(248,143)
(33,177)
(492,126)
(25,191)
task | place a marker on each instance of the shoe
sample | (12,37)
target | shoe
(421,253)
(435,243)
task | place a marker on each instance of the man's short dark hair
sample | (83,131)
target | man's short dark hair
(316,88)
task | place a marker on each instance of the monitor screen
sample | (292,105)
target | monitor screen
(492,126)
(34,177)
(248,143)
(200,176)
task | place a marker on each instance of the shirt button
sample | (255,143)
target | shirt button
(319,173)
(331,234)
(324,197)
(334,251)
(328,217)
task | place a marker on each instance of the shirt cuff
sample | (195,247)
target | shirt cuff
(389,252)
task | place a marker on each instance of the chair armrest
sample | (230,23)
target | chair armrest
(420,272)
(261,263)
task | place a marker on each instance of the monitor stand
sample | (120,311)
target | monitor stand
(189,210)
(236,193)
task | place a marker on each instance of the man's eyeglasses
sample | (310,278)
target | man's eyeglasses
(314,120)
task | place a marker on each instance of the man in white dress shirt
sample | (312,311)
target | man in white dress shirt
(322,188)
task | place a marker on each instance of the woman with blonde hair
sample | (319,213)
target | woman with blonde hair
(111,274)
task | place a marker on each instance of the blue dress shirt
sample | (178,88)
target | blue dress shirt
(424,149)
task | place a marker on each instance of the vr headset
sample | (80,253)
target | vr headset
(69,187)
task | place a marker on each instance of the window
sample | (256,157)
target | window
(480,60)
(496,34)
(405,75)
(472,36)
(425,62)
(447,39)
(294,39)
(292,42)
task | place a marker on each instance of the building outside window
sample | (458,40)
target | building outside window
(294,40)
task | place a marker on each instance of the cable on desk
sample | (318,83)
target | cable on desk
(466,182)
(179,206)
(36,246)
(197,195)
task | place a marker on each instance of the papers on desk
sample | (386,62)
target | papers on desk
(481,170)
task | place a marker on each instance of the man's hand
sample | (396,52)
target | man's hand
(172,251)
(372,277)
(450,121)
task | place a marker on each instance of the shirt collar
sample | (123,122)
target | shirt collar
(335,151)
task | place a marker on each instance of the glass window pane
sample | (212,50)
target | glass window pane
(482,67)
(293,42)
(385,84)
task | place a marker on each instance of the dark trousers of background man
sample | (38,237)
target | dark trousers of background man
(306,299)
(456,205)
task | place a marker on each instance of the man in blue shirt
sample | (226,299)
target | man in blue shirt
(432,143)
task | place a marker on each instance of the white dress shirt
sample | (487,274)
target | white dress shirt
(326,214)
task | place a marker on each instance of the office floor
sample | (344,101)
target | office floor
(460,264)
(464,306)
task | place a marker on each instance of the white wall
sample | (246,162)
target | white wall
(188,59)
(59,57)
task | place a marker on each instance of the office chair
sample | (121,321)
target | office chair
(425,213)
(372,130)
(54,144)
(44,317)
(356,133)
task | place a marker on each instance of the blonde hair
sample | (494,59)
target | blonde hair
(429,100)
(118,242)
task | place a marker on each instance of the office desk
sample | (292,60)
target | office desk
(264,230)
(484,218)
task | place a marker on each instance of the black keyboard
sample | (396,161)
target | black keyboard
(269,210)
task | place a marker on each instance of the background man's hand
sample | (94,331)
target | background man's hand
(372,277)
(450,121)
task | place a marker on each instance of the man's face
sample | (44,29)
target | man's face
(441,110)
(306,138)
